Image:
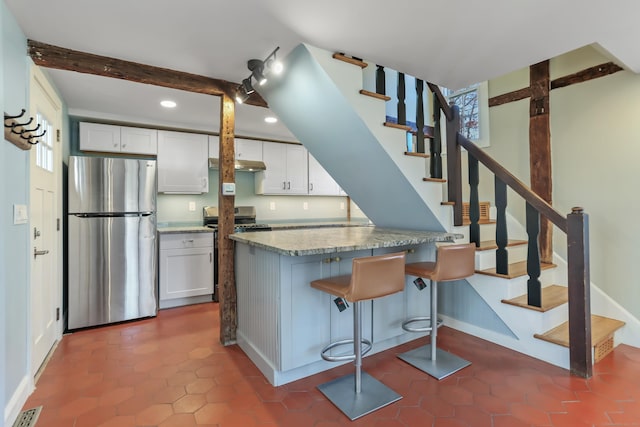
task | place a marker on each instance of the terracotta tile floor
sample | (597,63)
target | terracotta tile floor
(171,371)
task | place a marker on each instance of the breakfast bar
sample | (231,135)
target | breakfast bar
(283,323)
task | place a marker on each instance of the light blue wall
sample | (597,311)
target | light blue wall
(3,219)
(14,179)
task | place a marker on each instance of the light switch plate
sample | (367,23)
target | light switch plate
(228,188)
(192,206)
(20,214)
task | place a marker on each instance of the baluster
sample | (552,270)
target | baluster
(454,165)
(474,204)
(534,288)
(419,116)
(402,109)
(435,144)
(502,256)
(381,84)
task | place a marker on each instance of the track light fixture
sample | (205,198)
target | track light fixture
(259,71)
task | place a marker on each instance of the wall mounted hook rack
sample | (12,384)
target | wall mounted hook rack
(17,133)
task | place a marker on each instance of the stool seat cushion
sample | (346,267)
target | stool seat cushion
(338,285)
(371,277)
(420,269)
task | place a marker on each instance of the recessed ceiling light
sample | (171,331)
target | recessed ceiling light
(168,104)
(270,119)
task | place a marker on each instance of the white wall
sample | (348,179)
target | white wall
(595,135)
(14,239)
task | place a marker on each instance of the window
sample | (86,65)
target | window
(44,153)
(474,111)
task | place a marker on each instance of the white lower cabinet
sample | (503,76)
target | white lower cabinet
(186,268)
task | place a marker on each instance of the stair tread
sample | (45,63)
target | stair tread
(375,95)
(488,245)
(552,296)
(345,58)
(434,179)
(414,154)
(516,269)
(601,328)
(466,221)
(448,203)
(397,126)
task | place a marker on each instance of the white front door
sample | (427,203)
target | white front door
(45,214)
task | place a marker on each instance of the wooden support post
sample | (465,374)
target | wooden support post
(580,357)
(540,150)
(226,274)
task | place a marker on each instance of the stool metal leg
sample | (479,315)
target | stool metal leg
(358,394)
(429,358)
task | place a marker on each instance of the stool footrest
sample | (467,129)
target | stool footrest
(346,357)
(406,325)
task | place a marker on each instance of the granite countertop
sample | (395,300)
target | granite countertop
(312,241)
(316,224)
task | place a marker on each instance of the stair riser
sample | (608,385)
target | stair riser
(507,289)
(487,259)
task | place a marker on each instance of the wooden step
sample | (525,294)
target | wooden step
(375,95)
(448,203)
(467,221)
(342,57)
(397,126)
(488,245)
(517,269)
(552,296)
(413,154)
(434,179)
(602,329)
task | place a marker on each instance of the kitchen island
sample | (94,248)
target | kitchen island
(283,323)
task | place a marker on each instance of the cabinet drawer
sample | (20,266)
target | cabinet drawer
(186,240)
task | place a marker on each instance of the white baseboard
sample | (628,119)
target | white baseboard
(17,401)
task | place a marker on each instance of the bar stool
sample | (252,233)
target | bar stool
(372,277)
(453,262)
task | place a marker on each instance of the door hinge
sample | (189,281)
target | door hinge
(57,224)
(58,135)
(57,313)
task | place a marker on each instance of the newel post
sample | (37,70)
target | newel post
(581,359)
(454,165)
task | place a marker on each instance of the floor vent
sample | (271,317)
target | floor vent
(28,418)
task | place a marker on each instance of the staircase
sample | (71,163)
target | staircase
(324,105)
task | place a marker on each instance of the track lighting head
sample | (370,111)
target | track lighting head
(257,70)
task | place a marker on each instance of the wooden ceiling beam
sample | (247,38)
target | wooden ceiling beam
(50,56)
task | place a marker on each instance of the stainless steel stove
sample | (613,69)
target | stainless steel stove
(245,221)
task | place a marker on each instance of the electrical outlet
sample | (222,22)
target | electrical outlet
(192,206)
(305,206)
(341,206)
(272,206)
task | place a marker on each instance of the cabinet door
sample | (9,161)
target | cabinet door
(99,137)
(274,179)
(248,149)
(305,322)
(297,170)
(186,272)
(320,182)
(138,140)
(214,146)
(183,163)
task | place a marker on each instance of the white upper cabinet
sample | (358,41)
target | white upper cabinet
(183,166)
(118,139)
(287,171)
(320,182)
(245,149)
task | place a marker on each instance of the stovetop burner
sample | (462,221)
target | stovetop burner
(245,219)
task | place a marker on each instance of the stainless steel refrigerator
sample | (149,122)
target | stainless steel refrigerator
(111,240)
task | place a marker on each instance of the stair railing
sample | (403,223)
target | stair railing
(575,225)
